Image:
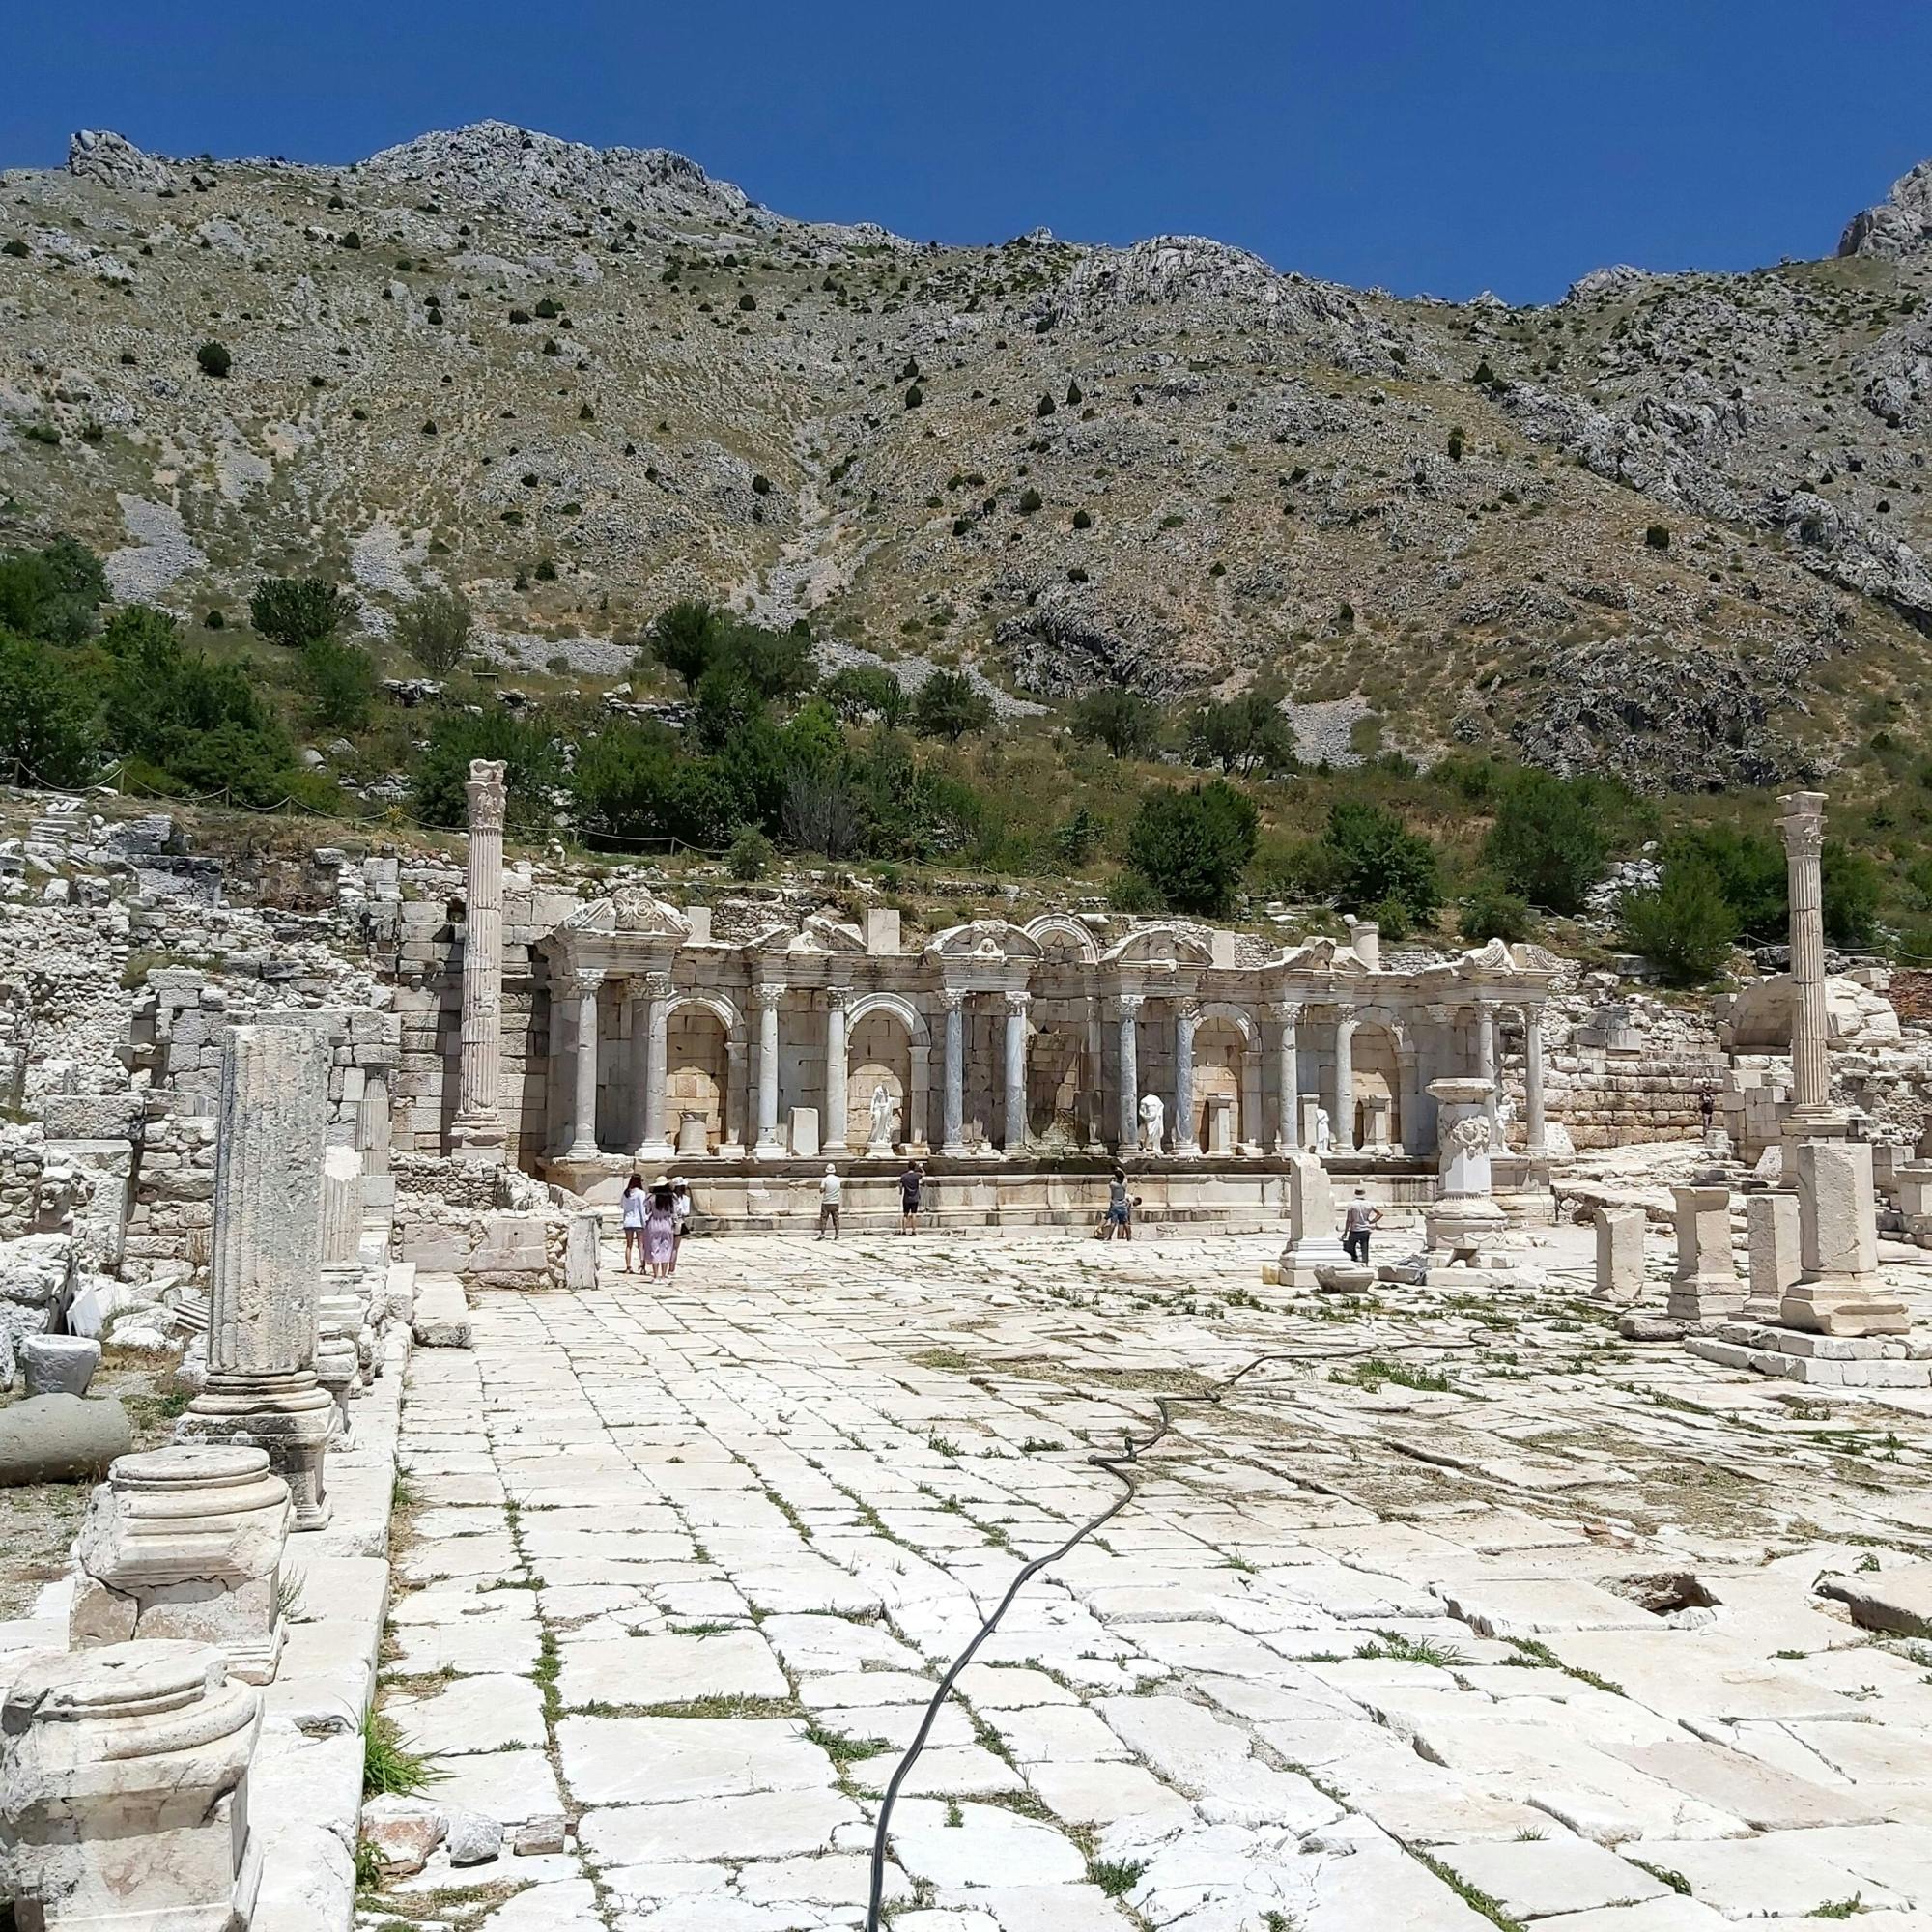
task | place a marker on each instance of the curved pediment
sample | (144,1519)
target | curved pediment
(1323,955)
(822,933)
(1160,945)
(1062,938)
(985,939)
(643,912)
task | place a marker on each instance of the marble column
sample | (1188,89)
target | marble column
(1186,1017)
(477,1133)
(952,1073)
(1013,1115)
(839,1078)
(1486,1064)
(1287,1017)
(737,1103)
(1344,1126)
(1535,1123)
(583,985)
(1094,1099)
(267,1263)
(654,989)
(1409,1140)
(341,1312)
(1130,1010)
(124,1789)
(768,1000)
(1804,828)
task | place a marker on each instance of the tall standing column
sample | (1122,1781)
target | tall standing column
(838,1076)
(1535,1123)
(477,1133)
(1186,1017)
(1013,1119)
(583,985)
(655,990)
(1287,1015)
(1804,828)
(267,1263)
(1486,1064)
(1344,1080)
(952,1073)
(768,1000)
(1129,1007)
(1094,1099)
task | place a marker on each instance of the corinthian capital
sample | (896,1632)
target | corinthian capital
(1016,1003)
(768,999)
(1286,1012)
(584,980)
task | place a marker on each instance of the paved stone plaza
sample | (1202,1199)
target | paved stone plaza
(1472,1614)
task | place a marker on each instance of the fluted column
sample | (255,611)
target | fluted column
(267,1263)
(1129,1011)
(1186,1017)
(1013,1120)
(1287,1015)
(1804,828)
(477,1133)
(1344,1080)
(838,1076)
(583,985)
(952,1073)
(1534,1123)
(1485,1063)
(654,990)
(768,1000)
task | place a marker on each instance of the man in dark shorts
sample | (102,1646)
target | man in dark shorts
(1358,1218)
(910,1183)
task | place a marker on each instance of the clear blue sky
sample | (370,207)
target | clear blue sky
(1435,146)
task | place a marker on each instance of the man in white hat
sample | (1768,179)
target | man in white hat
(829,1191)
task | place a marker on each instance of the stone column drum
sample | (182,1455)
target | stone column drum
(262,1387)
(477,1133)
(186,1543)
(1772,1241)
(1706,1287)
(1620,1254)
(123,1791)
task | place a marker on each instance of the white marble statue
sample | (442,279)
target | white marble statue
(1324,1131)
(883,1111)
(1153,1122)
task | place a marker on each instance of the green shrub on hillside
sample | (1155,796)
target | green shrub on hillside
(433,627)
(297,610)
(1374,857)
(1682,925)
(1127,723)
(1191,847)
(1490,911)
(341,682)
(46,716)
(52,593)
(528,746)
(948,705)
(1551,838)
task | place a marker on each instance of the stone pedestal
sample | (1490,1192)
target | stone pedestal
(1376,1114)
(802,1133)
(262,1387)
(1312,1241)
(186,1544)
(1464,1220)
(1220,1117)
(58,1364)
(1706,1287)
(1620,1254)
(123,1791)
(1772,1239)
(1308,1109)
(692,1134)
(477,1133)
(1839,1291)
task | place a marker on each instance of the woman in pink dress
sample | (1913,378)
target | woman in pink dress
(660,1229)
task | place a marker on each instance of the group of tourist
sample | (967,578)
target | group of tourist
(831,1189)
(655,1219)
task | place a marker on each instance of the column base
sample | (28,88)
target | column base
(658,1151)
(771,1148)
(583,1150)
(952,1150)
(290,1415)
(1853,1308)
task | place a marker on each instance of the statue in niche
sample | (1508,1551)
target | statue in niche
(883,1114)
(1153,1122)
(1324,1131)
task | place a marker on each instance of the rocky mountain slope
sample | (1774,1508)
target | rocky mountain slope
(1675,527)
